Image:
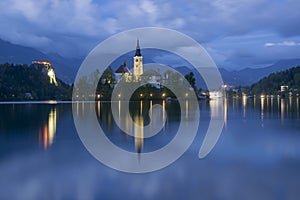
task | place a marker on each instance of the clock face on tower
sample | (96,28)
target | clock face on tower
(136,60)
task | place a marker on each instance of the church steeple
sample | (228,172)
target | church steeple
(138,50)
(137,62)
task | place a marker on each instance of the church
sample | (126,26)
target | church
(123,70)
(150,76)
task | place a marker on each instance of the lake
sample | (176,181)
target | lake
(257,155)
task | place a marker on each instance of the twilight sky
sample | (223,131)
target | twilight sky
(236,33)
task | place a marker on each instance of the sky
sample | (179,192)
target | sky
(236,33)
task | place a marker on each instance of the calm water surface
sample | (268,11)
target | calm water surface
(257,156)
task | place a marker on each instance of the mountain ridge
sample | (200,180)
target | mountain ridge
(66,68)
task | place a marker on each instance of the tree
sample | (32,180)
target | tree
(191,79)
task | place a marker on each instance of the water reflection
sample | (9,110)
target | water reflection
(218,109)
(48,130)
(290,103)
(297,107)
(145,113)
(164,107)
(141,120)
(282,110)
(262,105)
(138,133)
(225,112)
(186,110)
(246,152)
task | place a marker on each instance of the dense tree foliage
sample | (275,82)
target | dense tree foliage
(22,82)
(272,83)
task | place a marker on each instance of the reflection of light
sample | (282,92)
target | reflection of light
(297,107)
(52,125)
(99,108)
(45,136)
(272,101)
(82,107)
(141,107)
(216,110)
(272,104)
(282,109)
(278,104)
(244,105)
(290,102)
(163,107)
(48,131)
(262,104)
(186,110)
(119,108)
(150,113)
(138,133)
(225,112)
(77,108)
(244,101)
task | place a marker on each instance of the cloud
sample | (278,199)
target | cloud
(284,43)
(73,28)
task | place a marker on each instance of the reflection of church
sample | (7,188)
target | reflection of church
(151,76)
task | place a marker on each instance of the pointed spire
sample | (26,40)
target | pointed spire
(138,50)
(138,44)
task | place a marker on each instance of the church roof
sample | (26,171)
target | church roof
(138,49)
(123,69)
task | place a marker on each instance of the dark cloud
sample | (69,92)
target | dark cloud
(72,28)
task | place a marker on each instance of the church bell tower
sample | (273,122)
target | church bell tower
(138,62)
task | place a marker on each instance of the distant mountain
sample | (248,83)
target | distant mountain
(271,84)
(248,76)
(65,68)
(244,77)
